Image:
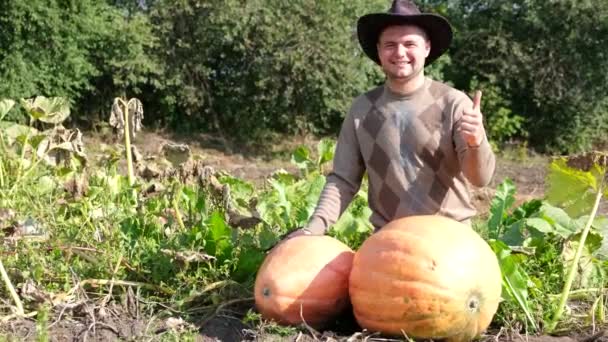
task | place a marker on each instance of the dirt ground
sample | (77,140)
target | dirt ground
(527,171)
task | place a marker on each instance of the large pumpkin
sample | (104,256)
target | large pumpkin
(427,277)
(304,277)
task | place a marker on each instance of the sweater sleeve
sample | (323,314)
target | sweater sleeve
(477,163)
(342,183)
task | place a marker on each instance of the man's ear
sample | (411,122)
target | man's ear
(427,47)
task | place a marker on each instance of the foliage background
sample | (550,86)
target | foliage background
(261,67)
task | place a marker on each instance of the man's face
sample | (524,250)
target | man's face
(402,51)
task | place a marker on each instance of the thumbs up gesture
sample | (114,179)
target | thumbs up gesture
(471,124)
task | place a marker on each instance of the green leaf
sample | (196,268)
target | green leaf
(301,157)
(502,201)
(589,272)
(249,260)
(46,185)
(218,227)
(515,280)
(284,177)
(325,149)
(15,132)
(561,222)
(5,107)
(600,224)
(525,210)
(268,238)
(540,224)
(52,110)
(513,235)
(571,189)
(239,188)
(219,241)
(307,197)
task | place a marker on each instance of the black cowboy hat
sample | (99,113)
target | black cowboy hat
(403,12)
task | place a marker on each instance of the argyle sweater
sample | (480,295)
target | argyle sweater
(415,159)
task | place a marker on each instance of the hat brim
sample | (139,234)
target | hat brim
(437,28)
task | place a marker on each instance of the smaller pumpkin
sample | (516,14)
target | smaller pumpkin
(429,277)
(304,277)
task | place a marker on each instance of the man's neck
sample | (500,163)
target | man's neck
(406,87)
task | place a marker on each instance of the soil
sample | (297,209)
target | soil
(527,171)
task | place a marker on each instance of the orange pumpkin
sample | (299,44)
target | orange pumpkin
(428,277)
(304,277)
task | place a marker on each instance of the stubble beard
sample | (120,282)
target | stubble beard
(396,79)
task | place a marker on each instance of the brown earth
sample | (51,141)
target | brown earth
(526,169)
(255,164)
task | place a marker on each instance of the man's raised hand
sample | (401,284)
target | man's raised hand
(471,123)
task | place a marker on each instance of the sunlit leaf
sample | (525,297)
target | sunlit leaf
(283,177)
(600,224)
(571,189)
(53,110)
(301,158)
(241,191)
(5,107)
(589,271)
(308,196)
(515,280)
(219,241)
(301,154)
(46,185)
(325,149)
(14,132)
(501,203)
(561,223)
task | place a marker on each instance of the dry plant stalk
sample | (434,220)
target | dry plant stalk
(11,290)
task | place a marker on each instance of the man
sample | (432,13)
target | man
(419,140)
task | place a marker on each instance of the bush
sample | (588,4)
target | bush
(257,66)
(87,51)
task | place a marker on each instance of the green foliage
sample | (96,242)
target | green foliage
(179,247)
(50,110)
(86,51)
(548,57)
(538,246)
(264,65)
(177,244)
(573,189)
(260,67)
(42,48)
(501,123)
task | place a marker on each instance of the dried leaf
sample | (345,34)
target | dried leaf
(136,116)
(177,154)
(60,144)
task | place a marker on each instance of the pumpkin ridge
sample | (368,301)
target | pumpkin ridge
(389,277)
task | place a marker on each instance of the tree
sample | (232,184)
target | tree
(264,65)
(547,60)
(87,51)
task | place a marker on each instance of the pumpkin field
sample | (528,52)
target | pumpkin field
(116,236)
